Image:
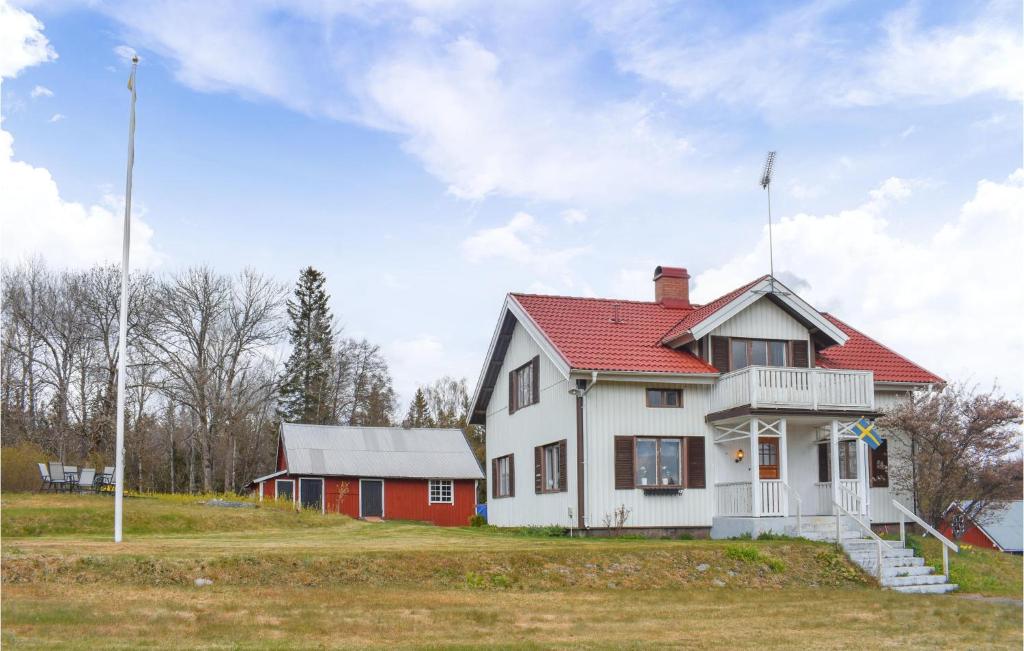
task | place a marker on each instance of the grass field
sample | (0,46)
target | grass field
(299,580)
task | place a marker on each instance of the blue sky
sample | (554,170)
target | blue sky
(431,156)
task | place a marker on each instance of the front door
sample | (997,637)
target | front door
(311,493)
(371,498)
(768,457)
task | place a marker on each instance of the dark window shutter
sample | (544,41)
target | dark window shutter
(563,465)
(511,391)
(823,463)
(536,379)
(695,476)
(879,463)
(538,479)
(798,348)
(720,353)
(494,478)
(623,462)
(512,475)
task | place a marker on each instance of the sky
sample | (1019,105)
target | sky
(430,157)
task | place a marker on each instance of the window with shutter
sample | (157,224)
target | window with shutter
(623,462)
(538,469)
(503,477)
(563,482)
(696,476)
(524,385)
(550,467)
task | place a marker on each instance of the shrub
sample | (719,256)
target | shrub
(18,469)
(743,553)
(477,520)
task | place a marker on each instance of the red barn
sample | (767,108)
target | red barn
(1000,528)
(390,473)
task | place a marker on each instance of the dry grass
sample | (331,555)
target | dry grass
(286,580)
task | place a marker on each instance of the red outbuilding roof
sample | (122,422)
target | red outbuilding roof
(861,352)
(615,335)
(610,335)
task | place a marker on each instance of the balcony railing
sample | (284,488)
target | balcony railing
(794,388)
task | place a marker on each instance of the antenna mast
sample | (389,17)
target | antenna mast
(766,183)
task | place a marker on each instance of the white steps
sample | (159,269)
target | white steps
(902,571)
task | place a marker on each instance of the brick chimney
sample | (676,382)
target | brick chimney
(672,287)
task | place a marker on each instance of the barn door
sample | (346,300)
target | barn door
(371,498)
(311,492)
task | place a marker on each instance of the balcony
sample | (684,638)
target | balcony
(800,389)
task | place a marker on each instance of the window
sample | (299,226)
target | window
(879,463)
(549,467)
(503,483)
(284,489)
(441,491)
(768,457)
(847,461)
(658,462)
(523,389)
(959,525)
(664,397)
(757,352)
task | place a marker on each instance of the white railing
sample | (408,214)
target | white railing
(947,544)
(772,498)
(849,495)
(733,498)
(880,545)
(792,494)
(797,388)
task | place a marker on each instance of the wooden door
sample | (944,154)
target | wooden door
(768,457)
(371,498)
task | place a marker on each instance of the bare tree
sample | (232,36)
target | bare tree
(964,446)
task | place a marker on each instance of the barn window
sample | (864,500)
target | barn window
(284,489)
(441,491)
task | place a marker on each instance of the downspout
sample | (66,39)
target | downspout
(580,391)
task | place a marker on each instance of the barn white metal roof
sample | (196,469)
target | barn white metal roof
(378,452)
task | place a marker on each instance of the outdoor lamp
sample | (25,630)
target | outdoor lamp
(739,456)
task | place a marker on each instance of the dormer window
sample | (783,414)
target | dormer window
(757,352)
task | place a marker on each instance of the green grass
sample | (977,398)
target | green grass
(286,580)
(975,570)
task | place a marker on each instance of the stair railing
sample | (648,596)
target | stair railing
(879,543)
(947,544)
(799,506)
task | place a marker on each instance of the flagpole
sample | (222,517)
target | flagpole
(122,333)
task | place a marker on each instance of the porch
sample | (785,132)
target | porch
(786,469)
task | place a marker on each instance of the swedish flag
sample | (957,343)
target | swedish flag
(865,431)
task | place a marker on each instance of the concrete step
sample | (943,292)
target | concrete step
(931,579)
(907,570)
(934,588)
(868,548)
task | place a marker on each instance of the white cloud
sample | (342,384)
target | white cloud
(57,117)
(34,219)
(22,43)
(41,91)
(574,216)
(942,298)
(522,241)
(125,53)
(909,131)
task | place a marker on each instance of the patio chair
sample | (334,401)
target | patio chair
(86,480)
(105,480)
(58,480)
(44,476)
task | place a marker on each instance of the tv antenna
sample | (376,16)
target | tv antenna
(766,184)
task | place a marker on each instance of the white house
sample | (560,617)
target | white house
(729,417)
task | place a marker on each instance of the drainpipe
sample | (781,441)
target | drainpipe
(580,392)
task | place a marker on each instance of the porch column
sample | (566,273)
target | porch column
(861,476)
(784,464)
(835,462)
(755,471)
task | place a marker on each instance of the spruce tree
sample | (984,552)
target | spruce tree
(305,394)
(419,411)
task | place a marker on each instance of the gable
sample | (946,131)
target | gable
(763,319)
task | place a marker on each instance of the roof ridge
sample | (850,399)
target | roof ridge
(737,291)
(603,300)
(842,323)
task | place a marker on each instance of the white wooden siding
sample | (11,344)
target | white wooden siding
(552,419)
(762,320)
(618,409)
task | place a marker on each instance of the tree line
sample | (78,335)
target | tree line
(206,387)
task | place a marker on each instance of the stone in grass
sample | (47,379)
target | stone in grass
(703,567)
(201,582)
(231,505)
(718,583)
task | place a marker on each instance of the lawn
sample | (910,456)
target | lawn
(298,580)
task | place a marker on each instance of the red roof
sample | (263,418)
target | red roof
(861,352)
(610,335)
(698,314)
